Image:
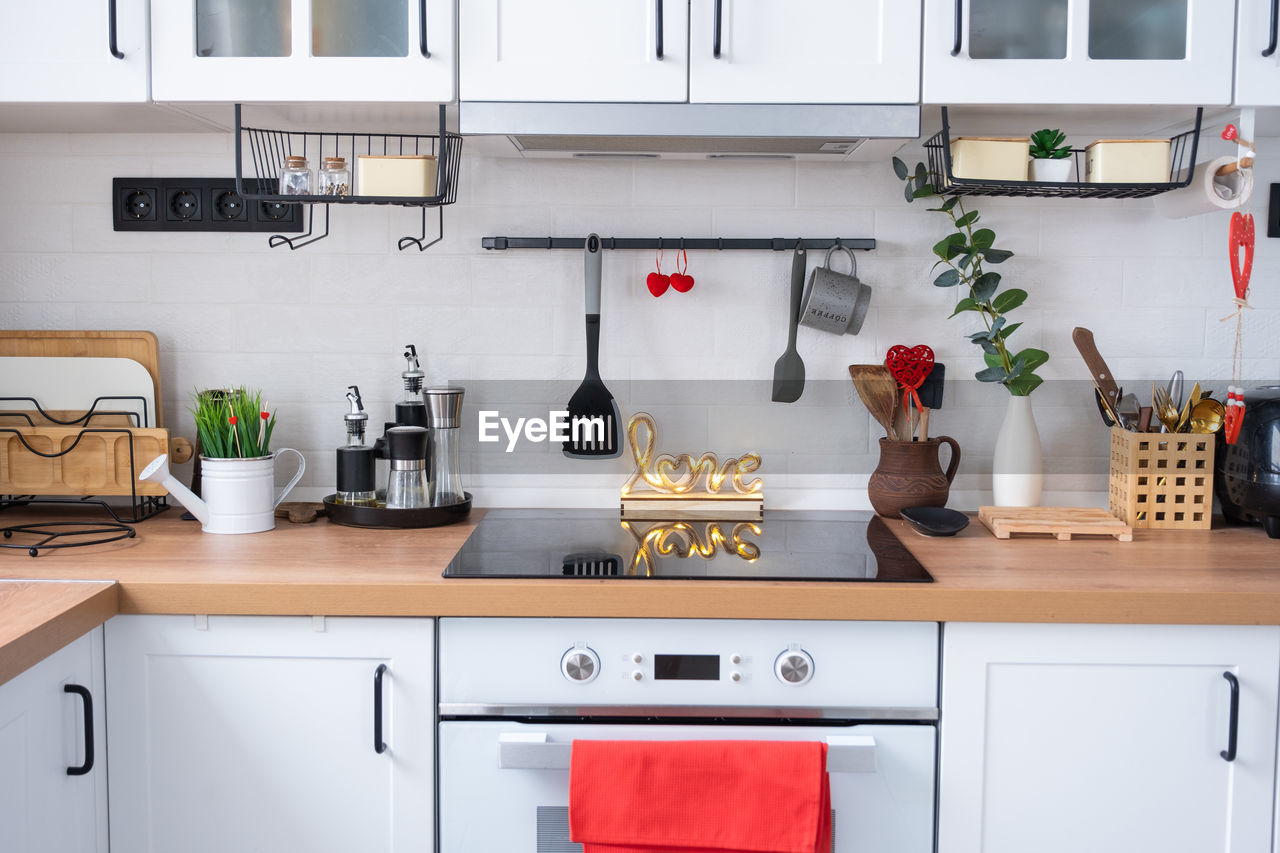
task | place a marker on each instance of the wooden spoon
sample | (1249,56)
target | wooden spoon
(878,391)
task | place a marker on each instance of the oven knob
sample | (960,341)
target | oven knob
(793,667)
(580,664)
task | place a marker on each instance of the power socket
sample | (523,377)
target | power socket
(196,204)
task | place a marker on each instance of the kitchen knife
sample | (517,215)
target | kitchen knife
(1098,369)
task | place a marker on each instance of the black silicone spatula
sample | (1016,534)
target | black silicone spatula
(930,392)
(788,371)
(593,413)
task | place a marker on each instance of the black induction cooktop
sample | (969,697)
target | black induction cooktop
(792,546)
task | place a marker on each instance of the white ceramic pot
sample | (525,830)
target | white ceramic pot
(1017,476)
(1055,171)
(240,493)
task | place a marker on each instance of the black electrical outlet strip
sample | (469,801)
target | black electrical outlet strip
(195,204)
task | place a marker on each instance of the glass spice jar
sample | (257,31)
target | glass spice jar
(295,178)
(335,177)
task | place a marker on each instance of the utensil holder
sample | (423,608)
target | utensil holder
(1161,481)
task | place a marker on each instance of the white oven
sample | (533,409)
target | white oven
(515,693)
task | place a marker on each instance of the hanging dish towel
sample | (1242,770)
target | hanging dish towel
(700,796)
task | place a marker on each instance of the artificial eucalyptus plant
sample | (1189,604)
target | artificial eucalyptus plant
(963,252)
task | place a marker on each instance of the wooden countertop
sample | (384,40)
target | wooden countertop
(1224,576)
(39,617)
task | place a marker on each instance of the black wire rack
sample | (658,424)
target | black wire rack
(264,151)
(1182,164)
(80,533)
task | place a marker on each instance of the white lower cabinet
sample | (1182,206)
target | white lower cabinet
(262,733)
(44,732)
(1063,738)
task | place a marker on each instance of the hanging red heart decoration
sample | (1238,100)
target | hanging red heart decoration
(658,283)
(681,283)
(1235,414)
(1241,238)
(1229,132)
(910,366)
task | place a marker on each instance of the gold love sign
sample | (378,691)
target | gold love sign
(666,486)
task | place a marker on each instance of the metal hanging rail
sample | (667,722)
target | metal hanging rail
(776,244)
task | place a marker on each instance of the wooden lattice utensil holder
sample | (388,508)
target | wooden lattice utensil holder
(1162,481)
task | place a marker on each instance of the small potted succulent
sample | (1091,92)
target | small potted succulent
(1051,158)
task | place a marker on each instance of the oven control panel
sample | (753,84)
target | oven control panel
(687,662)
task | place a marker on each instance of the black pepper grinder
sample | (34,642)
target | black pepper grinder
(356,470)
(412,411)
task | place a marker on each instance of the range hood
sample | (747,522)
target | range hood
(831,132)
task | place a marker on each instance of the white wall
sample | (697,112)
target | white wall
(302,325)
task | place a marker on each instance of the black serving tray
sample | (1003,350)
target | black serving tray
(379,516)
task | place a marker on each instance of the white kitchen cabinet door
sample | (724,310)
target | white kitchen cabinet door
(55,51)
(258,733)
(1078,51)
(809,52)
(43,808)
(1258,54)
(573,50)
(1106,738)
(303,50)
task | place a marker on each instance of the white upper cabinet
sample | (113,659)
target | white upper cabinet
(1257,56)
(303,50)
(811,52)
(674,51)
(61,51)
(1107,738)
(573,50)
(1078,51)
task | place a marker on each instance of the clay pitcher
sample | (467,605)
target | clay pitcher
(910,474)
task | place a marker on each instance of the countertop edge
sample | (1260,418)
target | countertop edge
(50,615)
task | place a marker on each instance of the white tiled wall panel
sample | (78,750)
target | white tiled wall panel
(303,325)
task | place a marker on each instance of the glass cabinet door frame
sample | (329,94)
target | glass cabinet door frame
(1203,77)
(178,74)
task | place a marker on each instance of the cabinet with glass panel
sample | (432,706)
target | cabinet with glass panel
(303,50)
(1078,51)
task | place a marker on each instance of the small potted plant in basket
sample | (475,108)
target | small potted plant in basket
(1051,158)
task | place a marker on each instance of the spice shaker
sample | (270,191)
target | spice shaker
(295,177)
(357,473)
(407,486)
(335,177)
(444,417)
(411,411)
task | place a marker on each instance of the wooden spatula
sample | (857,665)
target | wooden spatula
(878,391)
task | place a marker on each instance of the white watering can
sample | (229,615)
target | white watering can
(237,492)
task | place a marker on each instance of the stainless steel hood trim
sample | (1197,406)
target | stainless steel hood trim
(469,709)
(777,121)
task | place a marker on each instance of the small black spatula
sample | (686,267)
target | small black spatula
(930,392)
(593,413)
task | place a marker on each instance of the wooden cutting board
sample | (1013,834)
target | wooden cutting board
(1062,522)
(141,346)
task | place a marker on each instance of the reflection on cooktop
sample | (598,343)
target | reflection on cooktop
(559,543)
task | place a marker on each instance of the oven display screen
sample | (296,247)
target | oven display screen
(686,667)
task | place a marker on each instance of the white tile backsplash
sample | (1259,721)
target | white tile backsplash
(303,325)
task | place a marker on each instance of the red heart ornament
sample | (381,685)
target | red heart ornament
(1229,132)
(909,366)
(658,283)
(682,283)
(1241,238)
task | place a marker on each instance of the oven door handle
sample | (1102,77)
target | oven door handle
(533,751)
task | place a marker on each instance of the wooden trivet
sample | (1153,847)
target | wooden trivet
(1060,521)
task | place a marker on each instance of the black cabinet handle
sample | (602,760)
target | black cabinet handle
(715,31)
(83,693)
(1275,12)
(422,29)
(658,25)
(1233,724)
(111,35)
(378,746)
(955,43)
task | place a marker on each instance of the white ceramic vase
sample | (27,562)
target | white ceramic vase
(1056,171)
(1017,476)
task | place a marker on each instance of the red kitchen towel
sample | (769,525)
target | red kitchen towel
(700,796)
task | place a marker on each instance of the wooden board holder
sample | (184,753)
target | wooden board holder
(93,460)
(1062,522)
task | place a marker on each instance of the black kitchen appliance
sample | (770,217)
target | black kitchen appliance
(594,543)
(1247,474)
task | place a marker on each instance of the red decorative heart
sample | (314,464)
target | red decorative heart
(1241,237)
(909,366)
(1229,132)
(682,283)
(658,283)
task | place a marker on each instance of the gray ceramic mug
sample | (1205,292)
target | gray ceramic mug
(835,302)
